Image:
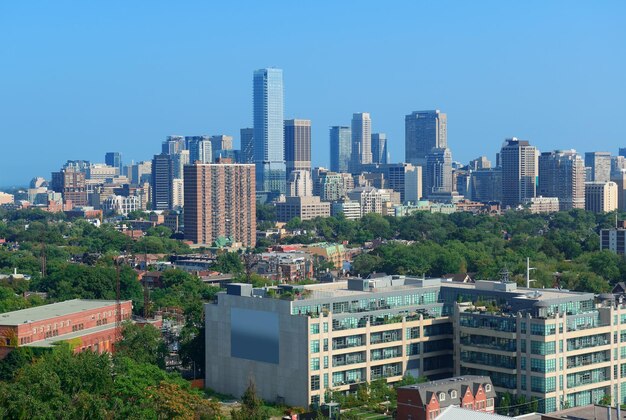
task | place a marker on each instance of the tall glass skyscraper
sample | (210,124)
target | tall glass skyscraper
(340,148)
(424,130)
(269,149)
(361,141)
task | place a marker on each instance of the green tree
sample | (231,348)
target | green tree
(251,406)
(143,344)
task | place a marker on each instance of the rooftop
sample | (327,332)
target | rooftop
(53,310)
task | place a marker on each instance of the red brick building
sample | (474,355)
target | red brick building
(84,324)
(426,401)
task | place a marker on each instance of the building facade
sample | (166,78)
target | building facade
(297,145)
(424,130)
(600,197)
(562,175)
(559,347)
(300,184)
(162,176)
(269,150)
(220,202)
(380,154)
(85,324)
(518,160)
(600,166)
(340,148)
(438,172)
(303,207)
(71,183)
(247,145)
(114,159)
(361,141)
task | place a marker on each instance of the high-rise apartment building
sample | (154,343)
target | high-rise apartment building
(601,197)
(162,176)
(179,160)
(220,202)
(297,145)
(438,172)
(114,159)
(300,184)
(424,130)
(71,183)
(562,175)
(340,148)
(269,151)
(361,141)
(247,145)
(519,171)
(380,154)
(600,164)
(173,144)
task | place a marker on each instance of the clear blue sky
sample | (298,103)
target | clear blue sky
(80,78)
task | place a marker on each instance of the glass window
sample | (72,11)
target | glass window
(315,346)
(315,328)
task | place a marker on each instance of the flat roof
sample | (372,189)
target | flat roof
(53,310)
(51,341)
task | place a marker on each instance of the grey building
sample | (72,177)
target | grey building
(173,144)
(438,172)
(200,149)
(340,148)
(361,141)
(380,154)
(221,145)
(247,145)
(485,185)
(518,160)
(297,145)
(269,150)
(424,130)
(162,176)
(400,177)
(562,175)
(600,164)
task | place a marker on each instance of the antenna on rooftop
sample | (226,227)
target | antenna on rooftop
(528,268)
(505,275)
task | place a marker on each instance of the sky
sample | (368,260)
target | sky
(79,79)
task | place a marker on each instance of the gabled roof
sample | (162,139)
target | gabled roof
(458,384)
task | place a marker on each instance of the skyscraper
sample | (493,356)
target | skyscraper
(269,153)
(179,160)
(519,171)
(200,149)
(379,148)
(600,164)
(114,159)
(562,175)
(70,182)
(162,175)
(172,145)
(438,172)
(300,184)
(247,145)
(221,142)
(424,130)
(361,141)
(297,145)
(220,201)
(340,148)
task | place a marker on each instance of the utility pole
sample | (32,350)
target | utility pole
(528,268)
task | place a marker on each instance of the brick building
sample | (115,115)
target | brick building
(426,401)
(85,324)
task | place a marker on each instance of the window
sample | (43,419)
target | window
(442,396)
(488,388)
(315,346)
(315,363)
(315,328)
(453,394)
(315,382)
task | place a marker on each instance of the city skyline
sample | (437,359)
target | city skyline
(118,88)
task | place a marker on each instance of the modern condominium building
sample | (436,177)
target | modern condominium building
(297,342)
(518,160)
(340,148)
(361,141)
(562,175)
(297,145)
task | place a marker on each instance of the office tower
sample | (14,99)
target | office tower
(480,163)
(297,145)
(379,148)
(197,146)
(300,184)
(220,202)
(519,171)
(404,178)
(269,152)
(361,141)
(141,172)
(70,182)
(620,180)
(162,176)
(438,172)
(600,164)
(485,185)
(114,159)
(562,175)
(247,145)
(172,145)
(424,130)
(601,197)
(179,160)
(340,148)
(221,142)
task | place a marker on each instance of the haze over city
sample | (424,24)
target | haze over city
(79,80)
